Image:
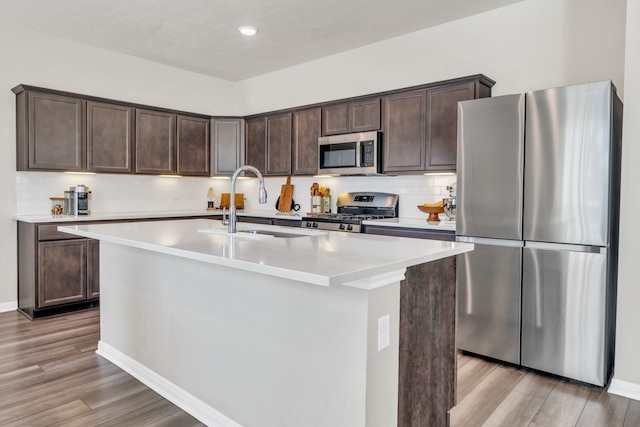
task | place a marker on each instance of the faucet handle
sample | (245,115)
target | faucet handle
(225,218)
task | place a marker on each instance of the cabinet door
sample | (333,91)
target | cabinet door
(404,143)
(335,119)
(364,115)
(256,135)
(62,272)
(228,145)
(306,131)
(279,144)
(93,269)
(155,142)
(56,140)
(193,146)
(442,124)
(109,137)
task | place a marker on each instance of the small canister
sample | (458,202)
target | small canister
(57,205)
(316,204)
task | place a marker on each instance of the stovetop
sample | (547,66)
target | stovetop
(343,216)
(353,209)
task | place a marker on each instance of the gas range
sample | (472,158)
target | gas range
(353,209)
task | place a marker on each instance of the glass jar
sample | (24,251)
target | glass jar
(57,205)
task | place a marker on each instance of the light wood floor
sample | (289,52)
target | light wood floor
(493,394)
(51,376)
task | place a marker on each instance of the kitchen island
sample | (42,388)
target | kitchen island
(282,327)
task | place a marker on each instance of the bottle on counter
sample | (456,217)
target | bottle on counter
(326,202)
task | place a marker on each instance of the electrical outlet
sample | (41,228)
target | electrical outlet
(384,332)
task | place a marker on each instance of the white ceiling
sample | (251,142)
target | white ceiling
(202,35)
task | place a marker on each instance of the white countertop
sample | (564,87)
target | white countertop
(321,258)
(105,216)
(413,223)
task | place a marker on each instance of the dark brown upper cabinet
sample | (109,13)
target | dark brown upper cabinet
(194,158)
(49,131)
(109,137)
(404,144)
(421,127)
(227,141)
(256,143)
(268,143)
(356,116)
(155,142)
(442,124)
(60,131)
(279,144)
(304,144)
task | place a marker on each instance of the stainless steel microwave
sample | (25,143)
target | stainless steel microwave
(350,154)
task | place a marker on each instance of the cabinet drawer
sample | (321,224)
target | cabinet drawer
(50,232)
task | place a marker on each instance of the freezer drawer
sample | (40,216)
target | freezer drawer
(488,285)
(564,313)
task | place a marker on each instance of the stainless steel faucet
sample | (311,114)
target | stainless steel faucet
(262,194)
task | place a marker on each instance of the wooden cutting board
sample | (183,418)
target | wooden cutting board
(286,197)
(226,197)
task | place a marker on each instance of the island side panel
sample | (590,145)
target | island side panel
(427,365)
(261,350)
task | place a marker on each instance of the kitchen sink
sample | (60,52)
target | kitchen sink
(263,233)
(273,233)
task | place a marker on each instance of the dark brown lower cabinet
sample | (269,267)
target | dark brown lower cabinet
(57,272)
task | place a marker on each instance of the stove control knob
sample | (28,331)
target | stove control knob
(308,225)
(341,227)
(349,227)
(315,225)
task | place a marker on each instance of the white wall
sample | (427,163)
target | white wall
(533,44)
(627,369)
(39,60)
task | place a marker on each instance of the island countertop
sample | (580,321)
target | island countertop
(316,257)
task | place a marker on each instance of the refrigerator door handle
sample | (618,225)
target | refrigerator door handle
(566,247)
(493,242)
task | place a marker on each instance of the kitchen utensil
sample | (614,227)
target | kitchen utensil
(433,212)
(226,197)
(286,197)
(315,189)
(294,206)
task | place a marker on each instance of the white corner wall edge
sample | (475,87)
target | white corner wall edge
(176,395)
(624,389)
(8,306)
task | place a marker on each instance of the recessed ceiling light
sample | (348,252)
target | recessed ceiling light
(248,30)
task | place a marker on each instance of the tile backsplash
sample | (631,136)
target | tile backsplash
(132,193)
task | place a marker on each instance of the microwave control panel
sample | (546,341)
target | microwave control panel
(367,157)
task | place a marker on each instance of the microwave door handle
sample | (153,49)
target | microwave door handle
(358,154)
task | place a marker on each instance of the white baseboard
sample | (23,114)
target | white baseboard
(624,389)
(176,395)
(8,306)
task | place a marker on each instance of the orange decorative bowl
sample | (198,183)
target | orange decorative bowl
(433,212)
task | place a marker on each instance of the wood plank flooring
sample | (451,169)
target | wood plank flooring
(51,376)
(493,394)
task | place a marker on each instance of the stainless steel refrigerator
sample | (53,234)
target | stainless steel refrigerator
(538,194)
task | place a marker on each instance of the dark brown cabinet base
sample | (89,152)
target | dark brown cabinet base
(427,359)
(57,272)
